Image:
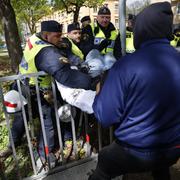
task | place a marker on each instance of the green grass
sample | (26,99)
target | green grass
(5,69)
(4,57)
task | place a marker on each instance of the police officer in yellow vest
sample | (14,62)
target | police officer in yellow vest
(86,20)
(129,34)
(71,44)
(101,35)
(42,54)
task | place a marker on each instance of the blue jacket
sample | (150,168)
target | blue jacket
(48,60)
(141,97)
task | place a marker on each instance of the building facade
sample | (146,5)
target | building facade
(65,19)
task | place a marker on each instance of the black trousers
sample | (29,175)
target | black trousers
(115,160)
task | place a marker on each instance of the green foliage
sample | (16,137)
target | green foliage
(3,136)
(1,42)
(70,4)
(30,12)
(73,6)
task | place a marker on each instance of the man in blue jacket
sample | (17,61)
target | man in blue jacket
(141,98)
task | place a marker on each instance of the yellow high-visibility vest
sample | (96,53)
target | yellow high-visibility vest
(27,65)
(129,42)
(100,37)
(174,42)
(75,50)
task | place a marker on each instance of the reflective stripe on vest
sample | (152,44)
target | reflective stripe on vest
(76,50)
(100,37)
(27,65)
(129,42)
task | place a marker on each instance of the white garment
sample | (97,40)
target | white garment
(97,62)
(80,98)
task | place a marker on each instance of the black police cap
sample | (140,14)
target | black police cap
(85,18)
(73,26)
(104,11)
(51,26)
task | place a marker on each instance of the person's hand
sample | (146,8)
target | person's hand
(98,87)
(104,43)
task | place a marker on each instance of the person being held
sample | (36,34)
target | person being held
(141,98)
(86,20)
(42,53)
(129,34)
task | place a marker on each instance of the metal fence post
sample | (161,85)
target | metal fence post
(26,127)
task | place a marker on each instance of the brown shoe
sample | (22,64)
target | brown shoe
(6,153)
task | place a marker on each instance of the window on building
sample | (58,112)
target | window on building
(116,8)
(178,8)
(117,23)
(95,10)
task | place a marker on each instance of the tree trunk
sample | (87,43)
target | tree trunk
(11,33)
(76,14)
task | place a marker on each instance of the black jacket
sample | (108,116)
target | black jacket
(87,43)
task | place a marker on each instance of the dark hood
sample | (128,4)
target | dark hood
(154,22)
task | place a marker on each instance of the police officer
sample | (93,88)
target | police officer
(42,54)
(102,35)
(71,43)
(129,34)
(86,20)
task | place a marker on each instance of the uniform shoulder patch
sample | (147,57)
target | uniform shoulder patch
(64,60)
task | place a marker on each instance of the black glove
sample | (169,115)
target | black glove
(84,68)
(104,44)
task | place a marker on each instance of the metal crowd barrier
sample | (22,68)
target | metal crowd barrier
(40,173)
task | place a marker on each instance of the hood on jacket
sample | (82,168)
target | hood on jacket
(154,22)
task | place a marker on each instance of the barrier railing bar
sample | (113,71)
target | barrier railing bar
(35,75)
(57,120)
(21,76)
(42,122)
(10,134)
(26,127)
(30,109)
(74,136)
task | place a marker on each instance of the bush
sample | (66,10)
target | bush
(3,136)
